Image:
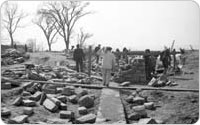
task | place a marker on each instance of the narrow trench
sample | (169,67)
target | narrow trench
(125,113)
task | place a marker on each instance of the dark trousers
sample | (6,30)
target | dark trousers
(97,58)
(79,65)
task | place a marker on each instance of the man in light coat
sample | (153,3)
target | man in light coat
(108,65)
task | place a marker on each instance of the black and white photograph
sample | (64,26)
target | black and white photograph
(99,62)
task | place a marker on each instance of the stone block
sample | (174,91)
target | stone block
(129,99)
(62,98)
(27,85)
(134,116)
(56,101)
(6,85)
(59,90)
(66,114)
(25,93)
(29,103)
(138,108)
(86,101)
(5,112)
(69,90)
(36,96)
(82,110)
(149,105)
(147,121)
(125,83)
(18,101)
(49,91)
(28,111)
(43,97)
(63,106)
(19,119)
(89,118)
(138,100)
(50,105)
(73,99)
(81,92)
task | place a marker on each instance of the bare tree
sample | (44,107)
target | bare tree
(65,14)
(12,19)
(47,24)
(82,36)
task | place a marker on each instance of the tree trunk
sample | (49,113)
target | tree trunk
(11,39)
(49,47)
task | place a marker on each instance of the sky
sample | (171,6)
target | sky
(137,25)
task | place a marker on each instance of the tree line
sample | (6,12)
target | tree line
(55,18)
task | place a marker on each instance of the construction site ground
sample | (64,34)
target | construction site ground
(171,107)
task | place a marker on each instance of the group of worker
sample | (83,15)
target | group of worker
(110,58)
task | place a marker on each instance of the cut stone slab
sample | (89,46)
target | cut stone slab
(73,98)
(90,118)
(147,121)
(5,112)
(138,108)
(59,90)
(50,105)
(6,85)
(149,105)
(66,114)
(81,92)
(49,91)
(69,90)
(125,83)
(27,85)
(32,90)
(25,93)
(18,101)
(43,97)
(82,110)
(86,101)
(63,106)
(36,96)
(56,101)
(29,103)
(62,98)
(138,100)
(134,116)
(110,106)
(28,110)
(153,82)
(129,99)
(19,119)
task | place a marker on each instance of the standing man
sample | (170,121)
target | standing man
(148,64)
(97,51)
(108,65)
(166,59)
(79,57)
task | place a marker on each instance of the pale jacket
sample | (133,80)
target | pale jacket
(108,60)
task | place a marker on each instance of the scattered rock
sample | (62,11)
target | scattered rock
(81,92)
(82,110)
(90,118)
(147,121)
(149,105)
(129,99)
(69,90)
(59,90)
(18,119)
(153,82)
(86,101)
(29,103)
(50,105)
(36,96)
(63,106)
(25,93)
(6,85)
(73,99)
(5,112)
(134,116)
(49,91)
(27,85)
(55,100)
(138,100)
(62,98)
(18,101)
(43,97)
(125,83)
(66,114)
(138,108)
(28,110)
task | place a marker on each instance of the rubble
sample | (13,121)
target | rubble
(36,96)
(6,85)
(63,106)
(134,116)
(82,110)
(5,112)
(147,121)
(50,105)
(18,101)
(25,93)
(86,101)
(149,105)
(125,84)
(69,90)
(138,100)
(73,98)
(28,110)
(62,98)
(18,119)
(66,114)
(89,118)
(29,103)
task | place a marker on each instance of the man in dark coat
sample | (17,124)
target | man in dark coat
(79,57)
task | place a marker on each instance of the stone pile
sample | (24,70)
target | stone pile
(139,104)
(133,72)
(13,56)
